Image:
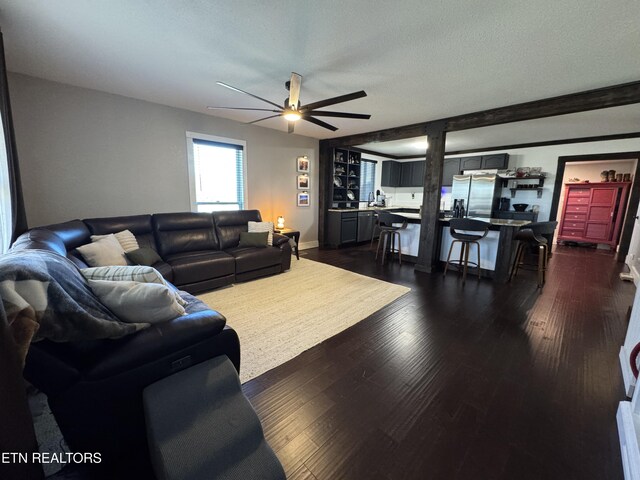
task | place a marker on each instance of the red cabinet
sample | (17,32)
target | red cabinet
(593,212)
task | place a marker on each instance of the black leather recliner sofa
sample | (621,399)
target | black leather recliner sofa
(95,388)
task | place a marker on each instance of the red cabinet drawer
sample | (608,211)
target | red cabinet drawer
(573,225)
(575,217)
(579,192)
(577,200)
(577,208)
(571,233)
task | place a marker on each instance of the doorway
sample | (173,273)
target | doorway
(591,166)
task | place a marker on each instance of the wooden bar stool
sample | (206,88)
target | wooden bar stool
(459,229)
(533,235)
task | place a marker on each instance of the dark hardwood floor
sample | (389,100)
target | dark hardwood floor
(483,381)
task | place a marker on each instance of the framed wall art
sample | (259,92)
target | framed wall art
(303,164)
(303,199)
(303,182)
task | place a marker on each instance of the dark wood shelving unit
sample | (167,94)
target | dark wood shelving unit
(539,187)
(345,188)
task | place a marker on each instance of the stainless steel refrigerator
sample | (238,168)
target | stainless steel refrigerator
(481,193)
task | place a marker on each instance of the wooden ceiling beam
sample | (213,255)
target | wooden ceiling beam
(607,97)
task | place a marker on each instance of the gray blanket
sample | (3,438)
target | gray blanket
(45,296)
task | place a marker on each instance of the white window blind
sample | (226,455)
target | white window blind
(367,179)
(6,216)
(218,175)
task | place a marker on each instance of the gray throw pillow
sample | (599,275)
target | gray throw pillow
(143,256)
(253,239)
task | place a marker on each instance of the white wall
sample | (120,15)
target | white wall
(85,153)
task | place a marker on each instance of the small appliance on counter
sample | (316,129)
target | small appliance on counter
(504,204)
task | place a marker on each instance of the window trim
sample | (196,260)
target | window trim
(192,170)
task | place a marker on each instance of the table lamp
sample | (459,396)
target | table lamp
(280,223)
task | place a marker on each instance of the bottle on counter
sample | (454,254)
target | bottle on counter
(462,210)
(456,209)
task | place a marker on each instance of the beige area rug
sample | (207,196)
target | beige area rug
(279,317)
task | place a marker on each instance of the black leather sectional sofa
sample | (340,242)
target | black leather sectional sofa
(199,251)
(95,387)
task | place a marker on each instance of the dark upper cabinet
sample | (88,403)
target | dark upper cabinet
(450,168)
(412,174)
(471,163)
(390,173)
(417,174)
(499,161)
(496,161)
(406,174)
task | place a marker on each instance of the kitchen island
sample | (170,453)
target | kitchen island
(496,249)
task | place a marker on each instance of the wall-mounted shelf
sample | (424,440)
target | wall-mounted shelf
(528,187)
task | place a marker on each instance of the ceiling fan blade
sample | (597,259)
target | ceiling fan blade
(294,90)
(261,119)
(291,126)
(222,84)
(320,123)
(241,108)
(324,113)
(333,101)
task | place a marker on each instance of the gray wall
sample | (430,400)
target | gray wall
(85,153)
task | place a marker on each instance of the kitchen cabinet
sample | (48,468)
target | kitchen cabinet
(471,163)
(342,228)
(390,173)
(593,212)
(498,161)
(450,168)
(365,226)
(412,174)
(345,188)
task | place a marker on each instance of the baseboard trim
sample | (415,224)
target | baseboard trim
(307,245)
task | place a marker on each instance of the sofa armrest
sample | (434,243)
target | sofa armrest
(279,239)
(154,342)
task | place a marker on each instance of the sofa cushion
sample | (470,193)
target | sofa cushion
(253,239)
(126,239)
(143,256)
(184,232)
(229,224)
(262,227)
(104,252)
(192,267)
(255,258)
(139,225)
(135,301)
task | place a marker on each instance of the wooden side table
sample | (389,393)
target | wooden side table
(291,233)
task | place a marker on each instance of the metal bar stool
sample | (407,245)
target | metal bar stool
(388,233)
(533,235)
(459,229)
(376,226)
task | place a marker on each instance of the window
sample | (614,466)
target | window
(216,173)
(367,179)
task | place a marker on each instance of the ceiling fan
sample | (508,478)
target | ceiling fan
(293,111)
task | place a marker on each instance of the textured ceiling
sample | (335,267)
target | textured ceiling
(418,60)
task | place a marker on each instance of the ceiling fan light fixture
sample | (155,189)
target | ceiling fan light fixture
(292,115)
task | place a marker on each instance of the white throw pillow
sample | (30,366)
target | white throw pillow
(103,252)
(138,302)
(262,227)
(130,273)
(126,239)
